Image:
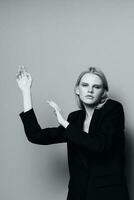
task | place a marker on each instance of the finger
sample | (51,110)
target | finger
(28,75)
(19,69)
(50,103)
(17,77)
(56,106)
(20,75)
(24,68)
(53,105)
(20,72)
(47,101)
(25,72)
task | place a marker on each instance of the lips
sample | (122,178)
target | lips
(89,96)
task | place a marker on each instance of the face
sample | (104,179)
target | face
(90,89)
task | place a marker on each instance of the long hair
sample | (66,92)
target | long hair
(104,97)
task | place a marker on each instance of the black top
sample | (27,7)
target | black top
(98,153)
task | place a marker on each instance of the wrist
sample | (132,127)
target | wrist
(26,92)
(65,124)
(27,100)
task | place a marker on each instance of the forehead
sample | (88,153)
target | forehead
(91,78)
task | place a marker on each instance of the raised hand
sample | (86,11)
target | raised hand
(57,111)
(54,105)
(23,79)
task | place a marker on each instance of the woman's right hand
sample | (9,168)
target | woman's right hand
(23,79)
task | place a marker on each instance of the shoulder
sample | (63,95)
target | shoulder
(111,103)
(74,114)
(112,106)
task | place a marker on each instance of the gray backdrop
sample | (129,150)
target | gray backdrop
(56,40)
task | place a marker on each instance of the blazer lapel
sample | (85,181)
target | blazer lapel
(94,120)
(95,117)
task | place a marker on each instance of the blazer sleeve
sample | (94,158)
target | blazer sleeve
(36,134)
(102,140)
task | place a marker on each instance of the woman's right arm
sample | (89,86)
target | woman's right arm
(36,134)
(33,131)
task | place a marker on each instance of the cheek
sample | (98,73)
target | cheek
(99,93)
(82,91)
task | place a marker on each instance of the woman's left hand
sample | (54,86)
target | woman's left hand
(57,111)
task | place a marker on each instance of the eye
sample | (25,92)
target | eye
(84,84)
(97,86)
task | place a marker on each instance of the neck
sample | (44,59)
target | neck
(89,111)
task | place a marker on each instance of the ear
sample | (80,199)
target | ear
(77,91)
(104,94)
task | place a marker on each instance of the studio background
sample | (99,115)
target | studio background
(55,41)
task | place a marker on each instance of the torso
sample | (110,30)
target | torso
(86,125)
(87,122)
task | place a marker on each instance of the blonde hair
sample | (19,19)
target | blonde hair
(98,72)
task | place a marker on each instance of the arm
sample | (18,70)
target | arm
(27,100)
(33,130)
(36,134)
(103,140)
(24,81)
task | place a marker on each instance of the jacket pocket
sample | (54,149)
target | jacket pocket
(108,180)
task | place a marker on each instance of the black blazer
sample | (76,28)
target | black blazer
(96,159)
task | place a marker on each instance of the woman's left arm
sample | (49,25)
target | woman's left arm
(101,141)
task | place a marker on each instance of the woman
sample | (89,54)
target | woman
(94,135)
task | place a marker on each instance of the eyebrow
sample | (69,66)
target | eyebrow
(94,84)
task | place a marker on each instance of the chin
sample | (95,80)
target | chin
(92,103)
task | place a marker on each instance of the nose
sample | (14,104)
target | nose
(90,89)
